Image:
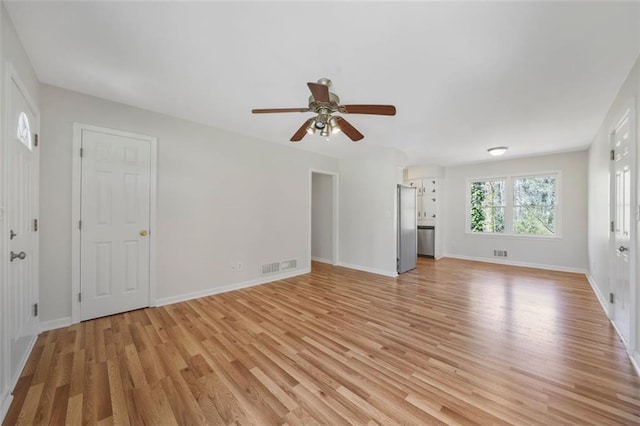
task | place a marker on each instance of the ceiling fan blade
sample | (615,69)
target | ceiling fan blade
(319,91)
(349,130)
(270,110)
(368,109)
(302,131)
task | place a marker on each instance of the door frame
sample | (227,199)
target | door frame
(11,74)
(335,219)
(76,188)
(630,112)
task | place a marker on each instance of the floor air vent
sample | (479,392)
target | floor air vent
(500,253)
(270,268)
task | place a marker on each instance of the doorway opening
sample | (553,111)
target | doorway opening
(323,238)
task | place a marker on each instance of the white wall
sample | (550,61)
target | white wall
(222,198)
(368,212)
(566,253)
(11,52)
(425,170)
(322,217)
(598,240)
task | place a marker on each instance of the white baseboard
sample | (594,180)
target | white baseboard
(392,274)
(596,290)
(236,286)
(322,260)
(14,380)
(515,263)
(634,357)
(6,402)
(56,323)
(635,361)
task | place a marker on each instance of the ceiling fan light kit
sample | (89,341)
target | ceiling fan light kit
(324,104)
(311,128)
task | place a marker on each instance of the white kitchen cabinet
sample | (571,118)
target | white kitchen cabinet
(416,183)
(429,207)
(427,199)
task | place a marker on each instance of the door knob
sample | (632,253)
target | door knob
(20,256)
(622,248)
(143,233)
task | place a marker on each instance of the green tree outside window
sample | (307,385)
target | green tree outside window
(532,207)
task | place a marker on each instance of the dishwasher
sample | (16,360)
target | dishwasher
(426,241)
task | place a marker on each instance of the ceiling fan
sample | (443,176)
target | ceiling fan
(324,104)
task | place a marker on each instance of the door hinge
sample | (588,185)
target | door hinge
(81,152)
(613,226)
(79,297)
(35,309)
(613,154)
(35,225)
(35,139)
(611,300)
(80,224)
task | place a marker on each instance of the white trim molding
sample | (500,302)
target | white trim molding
(601,298)
(5,404)
(76,188)
(231,287)
(54,324)
(321,260)
(392,274)
(521,264)
(635,361)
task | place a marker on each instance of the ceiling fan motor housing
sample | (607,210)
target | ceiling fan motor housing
(331,106)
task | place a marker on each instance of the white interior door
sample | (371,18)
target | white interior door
(22,199)
(622,217)
(115,218)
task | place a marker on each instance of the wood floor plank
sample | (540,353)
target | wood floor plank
(451,342)
(74,410)
(116,393)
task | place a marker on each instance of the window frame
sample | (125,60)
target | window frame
(510,208)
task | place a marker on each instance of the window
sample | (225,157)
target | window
(487,206)
(534,205)
(24,131)
(514,205)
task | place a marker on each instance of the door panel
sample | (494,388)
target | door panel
(115,209)
(22,196)
(407,237)
(622,230)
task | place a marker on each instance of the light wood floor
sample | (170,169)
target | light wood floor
(453,342)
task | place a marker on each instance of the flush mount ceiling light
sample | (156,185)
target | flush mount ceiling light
(498,150)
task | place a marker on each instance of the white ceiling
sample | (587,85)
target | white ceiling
(537,77)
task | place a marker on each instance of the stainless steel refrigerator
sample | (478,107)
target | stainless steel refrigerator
(407,229)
